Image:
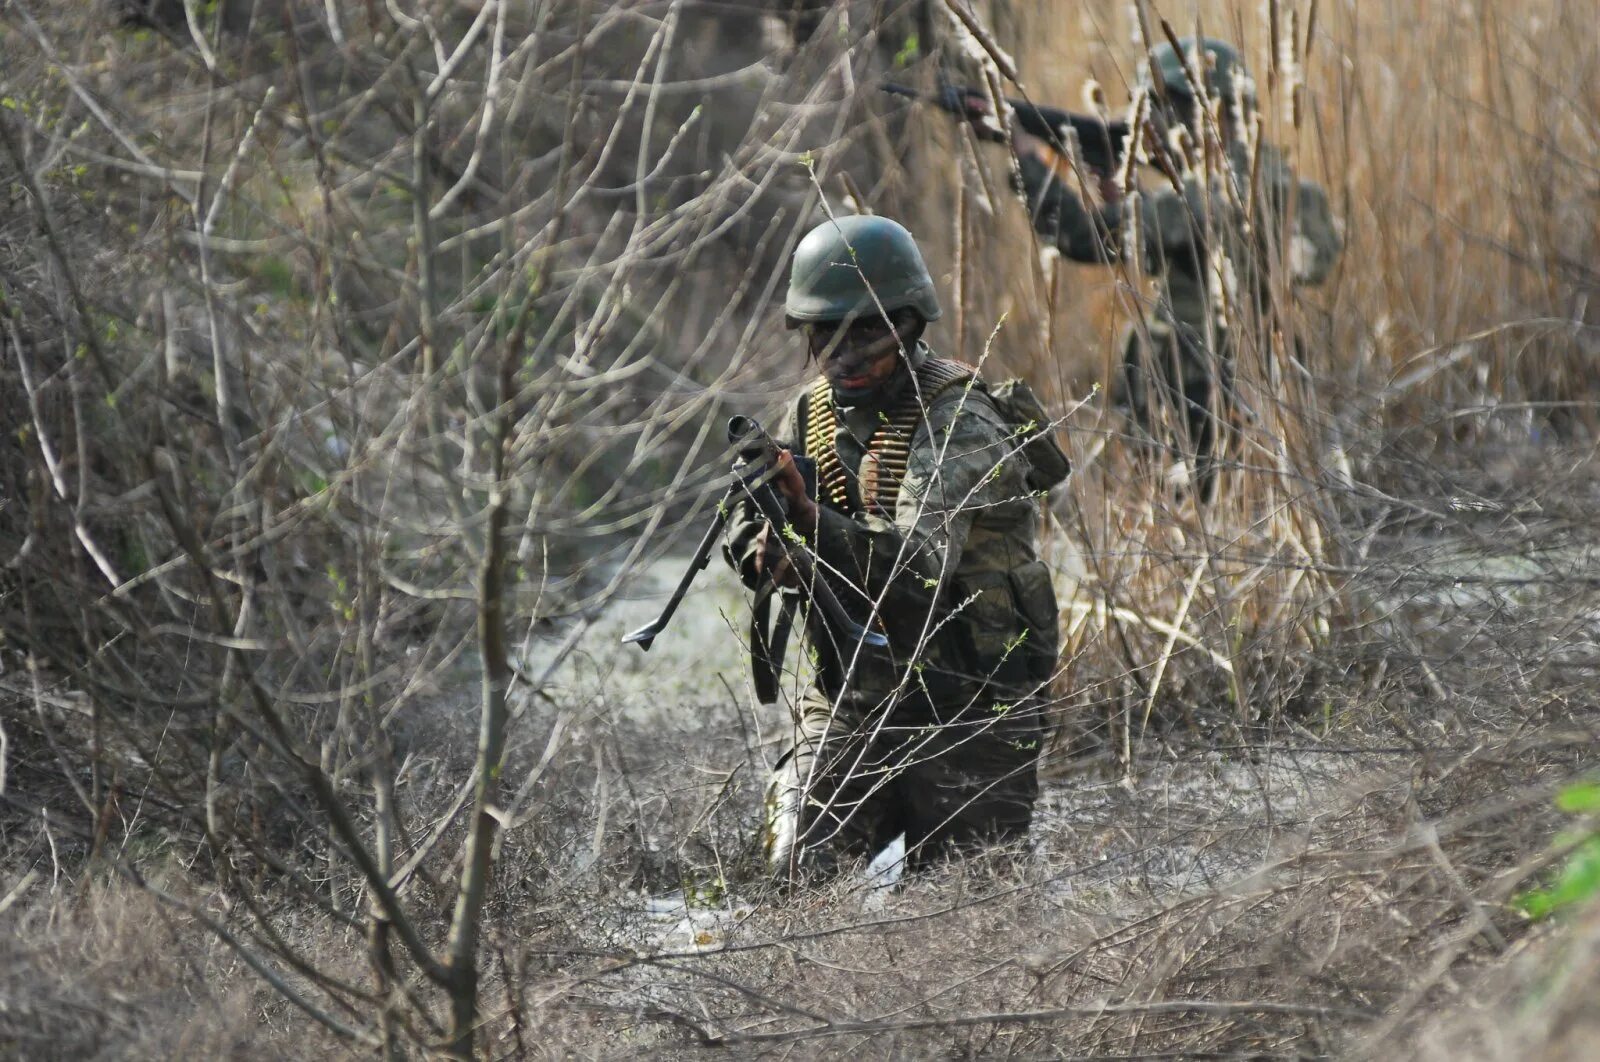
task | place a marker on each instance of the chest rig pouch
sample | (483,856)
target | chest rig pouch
(1023,599)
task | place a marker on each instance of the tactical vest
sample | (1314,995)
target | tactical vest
(875,489)
(888,453)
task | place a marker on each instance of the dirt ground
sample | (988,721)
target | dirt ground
(1337,884)
(1327,885)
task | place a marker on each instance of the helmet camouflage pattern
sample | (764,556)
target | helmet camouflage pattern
(854,265)
(1223,69)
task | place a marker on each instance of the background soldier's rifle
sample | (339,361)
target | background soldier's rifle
(752,482)
(1100,143)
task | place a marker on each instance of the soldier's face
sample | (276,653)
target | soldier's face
(859,355)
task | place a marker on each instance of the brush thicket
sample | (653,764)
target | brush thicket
(1462,174)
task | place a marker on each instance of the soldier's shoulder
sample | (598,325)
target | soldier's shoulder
(1273,165)
(963,404)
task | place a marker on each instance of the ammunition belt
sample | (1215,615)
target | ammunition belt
(888,454)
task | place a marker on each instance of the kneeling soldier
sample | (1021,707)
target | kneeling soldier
(925,521)
(1203,242)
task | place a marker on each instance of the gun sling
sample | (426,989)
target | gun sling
(769,639)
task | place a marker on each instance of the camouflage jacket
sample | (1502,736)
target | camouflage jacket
(949,568)
(1177,232)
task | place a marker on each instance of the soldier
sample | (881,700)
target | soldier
(926,520)
(1195,242)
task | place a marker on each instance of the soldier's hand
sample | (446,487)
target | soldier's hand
(980,115)
(771,558)
(792,485)
(1027,146)
(1110,189)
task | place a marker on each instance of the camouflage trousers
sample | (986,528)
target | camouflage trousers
(854,780)
(1172,374)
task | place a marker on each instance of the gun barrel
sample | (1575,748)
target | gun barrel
(1099,141)
(758,448)
(751,440)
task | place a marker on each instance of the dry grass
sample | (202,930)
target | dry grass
(101,971)
(1458,145)
(1273,902)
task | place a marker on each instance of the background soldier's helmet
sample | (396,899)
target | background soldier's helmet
(1220,65)
(855,265)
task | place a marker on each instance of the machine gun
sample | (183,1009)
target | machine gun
(1100,143)
(752,482)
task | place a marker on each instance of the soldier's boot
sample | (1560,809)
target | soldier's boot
(826,802)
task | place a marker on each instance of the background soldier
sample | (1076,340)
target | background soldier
(1192,241)
(927,522)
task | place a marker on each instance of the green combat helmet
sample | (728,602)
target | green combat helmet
(857,265)
(1221,67)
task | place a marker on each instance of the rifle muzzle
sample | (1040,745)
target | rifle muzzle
(751,440)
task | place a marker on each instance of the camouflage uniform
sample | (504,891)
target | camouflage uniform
(1189,353)
(935,735)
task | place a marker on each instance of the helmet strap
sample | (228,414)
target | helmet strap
(910,325)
